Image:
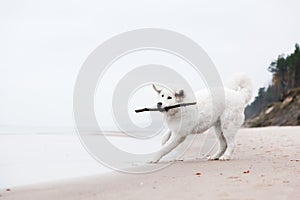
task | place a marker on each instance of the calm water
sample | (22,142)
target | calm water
(28,157)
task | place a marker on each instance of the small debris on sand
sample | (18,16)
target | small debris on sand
(285,181)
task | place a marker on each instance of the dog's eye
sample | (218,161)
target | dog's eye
(169,97)
(162,95)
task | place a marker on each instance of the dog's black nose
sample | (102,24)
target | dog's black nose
(159,104)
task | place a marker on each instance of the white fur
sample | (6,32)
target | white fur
(225,117)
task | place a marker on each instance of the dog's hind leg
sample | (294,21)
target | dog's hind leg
(166,137)
(173,143)
(230,127)
(230,137)
(222,143)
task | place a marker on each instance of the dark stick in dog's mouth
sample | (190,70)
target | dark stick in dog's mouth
(165,108)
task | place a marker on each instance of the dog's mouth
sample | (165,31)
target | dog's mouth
(161,109)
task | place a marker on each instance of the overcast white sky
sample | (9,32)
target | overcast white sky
(44,43)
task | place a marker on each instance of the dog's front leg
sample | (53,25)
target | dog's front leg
(174,142)
(166,137)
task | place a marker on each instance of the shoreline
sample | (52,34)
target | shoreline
(266,164)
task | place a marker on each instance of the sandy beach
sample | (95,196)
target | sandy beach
(266,164)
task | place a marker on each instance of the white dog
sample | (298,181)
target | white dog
(226,119)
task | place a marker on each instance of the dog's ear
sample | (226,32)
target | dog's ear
(179,95)
(156,89)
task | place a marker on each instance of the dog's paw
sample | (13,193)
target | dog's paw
(225,157)
(212,158)
(153,161)
(156,158)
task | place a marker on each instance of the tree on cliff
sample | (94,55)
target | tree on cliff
(285,75)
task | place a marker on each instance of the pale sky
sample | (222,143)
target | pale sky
(44,43)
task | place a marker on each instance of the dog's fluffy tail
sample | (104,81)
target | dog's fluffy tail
(242,83)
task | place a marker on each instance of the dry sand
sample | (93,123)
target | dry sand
(266,165)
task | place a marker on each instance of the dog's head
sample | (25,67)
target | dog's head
(168,97)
